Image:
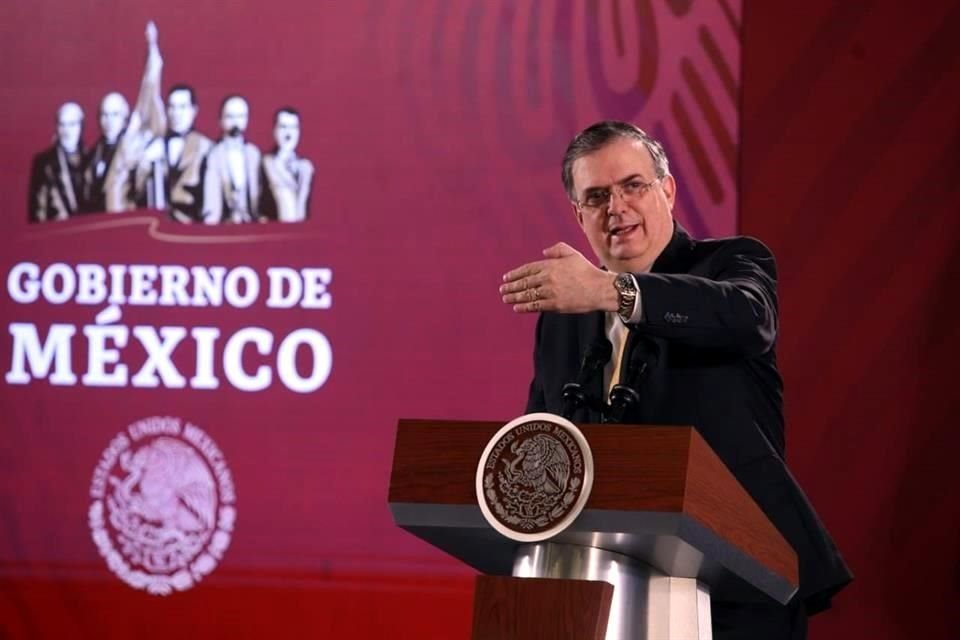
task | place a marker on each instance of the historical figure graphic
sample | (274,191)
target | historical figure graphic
(152,157)
(113,117)
(161,161)
(56,178)
(286,178)
(232,181)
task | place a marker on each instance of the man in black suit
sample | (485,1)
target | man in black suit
(693,327)
(114,114)
(56,176)
(160,159)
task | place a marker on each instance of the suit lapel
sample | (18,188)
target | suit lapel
(66,183)
(675,258)
(190,144)
(252,162)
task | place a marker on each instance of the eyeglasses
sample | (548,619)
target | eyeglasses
(630,190)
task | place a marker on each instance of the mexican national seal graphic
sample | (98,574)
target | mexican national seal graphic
(534,477)
(163,505)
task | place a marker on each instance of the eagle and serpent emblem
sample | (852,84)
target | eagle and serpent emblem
(532,476)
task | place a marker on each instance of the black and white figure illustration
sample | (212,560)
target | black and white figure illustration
(285,177)
(113,117)
(161,160)
(170,173)
(231,191)
(56,178)
(151,156)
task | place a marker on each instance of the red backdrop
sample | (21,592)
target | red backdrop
(849,170)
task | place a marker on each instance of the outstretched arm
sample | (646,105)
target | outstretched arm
(734,307)
(147,122)
(564,281)
(149,102)
(303,189)
(731,304)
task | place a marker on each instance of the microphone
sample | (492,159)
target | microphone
(623,396)
(594,360)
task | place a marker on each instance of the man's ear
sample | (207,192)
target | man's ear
(669,189)
(577,214)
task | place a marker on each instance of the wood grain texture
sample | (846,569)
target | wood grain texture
(436,461)
(637,469)
(540,608)
(718,501)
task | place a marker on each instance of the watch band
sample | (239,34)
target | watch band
(626,288)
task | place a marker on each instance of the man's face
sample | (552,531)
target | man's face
(113,116)
(181,112)
(234,116)
(69,125)
(629,232)
(287,131)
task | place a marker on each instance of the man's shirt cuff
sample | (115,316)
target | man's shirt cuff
(637,316)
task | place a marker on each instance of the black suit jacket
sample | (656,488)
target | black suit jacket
(96,168)
(707,339)
(55,186)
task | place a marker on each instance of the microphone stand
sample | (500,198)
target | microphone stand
(624,397)
(574,393)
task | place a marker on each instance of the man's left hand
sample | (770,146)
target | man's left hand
(564,281)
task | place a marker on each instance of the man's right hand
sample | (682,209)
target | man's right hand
(154,59)
(565,282)
(151,33)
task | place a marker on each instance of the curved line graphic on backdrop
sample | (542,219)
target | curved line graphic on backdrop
(522,78)
(153,230)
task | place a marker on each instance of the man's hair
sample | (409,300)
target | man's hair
(290,110)
(123,102)
(63,108)
(231,96)
(183,87)
(600,135)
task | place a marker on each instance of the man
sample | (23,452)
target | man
(232,181)
(693,327)
(286,177)
(56,177)
(169,173)
(114,113)
(160,160)
(105,188)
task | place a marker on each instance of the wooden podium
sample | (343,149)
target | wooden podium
(666,528)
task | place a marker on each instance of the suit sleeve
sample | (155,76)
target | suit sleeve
(536,399)
(210,189)
(149,106)
(733,307)
(37,194)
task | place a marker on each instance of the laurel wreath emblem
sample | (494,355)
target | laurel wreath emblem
(534,488)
